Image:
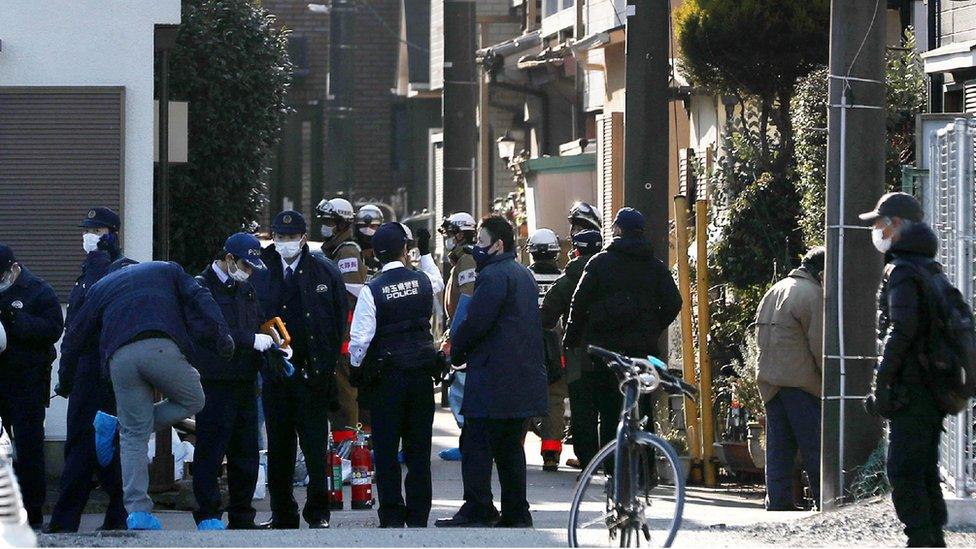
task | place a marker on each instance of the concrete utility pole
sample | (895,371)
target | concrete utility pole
(341,94)
(460,105)
(855,180)
(646,163)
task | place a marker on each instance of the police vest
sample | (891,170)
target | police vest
(544,280)
(404,304)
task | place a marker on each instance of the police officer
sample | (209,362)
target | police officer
(88,392)
(459,232)
(587,401)
(583,217)
(145,319)
(309,295)
(368,220)
(543,248)
(391,340)
(228,424)
(31,316)
(340,247)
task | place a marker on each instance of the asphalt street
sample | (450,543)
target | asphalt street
(708,513)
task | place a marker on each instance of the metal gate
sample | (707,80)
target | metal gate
(948,199)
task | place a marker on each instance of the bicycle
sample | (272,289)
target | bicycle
(634,505)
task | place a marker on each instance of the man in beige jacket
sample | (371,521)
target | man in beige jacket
(789,335)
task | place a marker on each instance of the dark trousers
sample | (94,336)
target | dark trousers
(792,422)
(402,410)
(23,414)
(595,401)
(227,426)
(89,395)
(913,468)
(483,441)
(293,407)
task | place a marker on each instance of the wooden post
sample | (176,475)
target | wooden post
(704,362)
(687,338)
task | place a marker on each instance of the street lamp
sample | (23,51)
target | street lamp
(506,148)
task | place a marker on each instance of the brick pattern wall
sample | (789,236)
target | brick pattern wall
(375,57)
(376,64)
(958,21)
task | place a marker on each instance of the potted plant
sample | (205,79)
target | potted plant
(679,441)
(744,441)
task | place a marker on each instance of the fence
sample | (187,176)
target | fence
(948,198)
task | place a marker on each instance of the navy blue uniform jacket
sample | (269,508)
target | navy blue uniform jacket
(31,334)
(501,341)
(148,297)
(239,304)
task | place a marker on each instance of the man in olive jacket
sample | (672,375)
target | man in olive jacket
(789,335)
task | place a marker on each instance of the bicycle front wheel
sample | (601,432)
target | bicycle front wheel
(647,514)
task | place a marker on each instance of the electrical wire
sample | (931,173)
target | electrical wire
(864,40)
(386,27)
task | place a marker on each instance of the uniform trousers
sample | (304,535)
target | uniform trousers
(485,441)
(22,398)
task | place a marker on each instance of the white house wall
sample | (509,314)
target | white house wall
(94,43)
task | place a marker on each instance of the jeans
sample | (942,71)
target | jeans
(792,422)
(137,370)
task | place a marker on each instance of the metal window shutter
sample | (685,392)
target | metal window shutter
(969,95)
(61,152)
(610,156)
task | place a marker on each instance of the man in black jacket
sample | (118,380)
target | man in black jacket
(626,297)
(309,295)
(228,424)
(31,316)
(900,391)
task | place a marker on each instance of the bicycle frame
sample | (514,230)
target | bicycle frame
(627,430)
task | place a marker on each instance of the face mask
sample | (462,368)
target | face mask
(881,243)
(327,231)
(481,255)
(368,231)
(288,250)
(90,241)
(236,273)
(449,243)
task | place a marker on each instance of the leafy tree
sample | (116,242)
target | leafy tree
(231,63)
(755,50)
(904,99)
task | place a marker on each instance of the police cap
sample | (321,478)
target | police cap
(246,247)
(289,222)
(101,217)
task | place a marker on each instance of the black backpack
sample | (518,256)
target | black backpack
(949,352)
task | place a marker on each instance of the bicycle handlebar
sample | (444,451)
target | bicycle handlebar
(629,367)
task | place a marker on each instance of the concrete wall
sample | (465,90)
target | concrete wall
(958,21)
(94,43)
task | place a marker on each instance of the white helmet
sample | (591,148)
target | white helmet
(406,231)
(457,222)
(583,212)
(369,214)
(543,241)
(338,208)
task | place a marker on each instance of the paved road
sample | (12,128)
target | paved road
(706,514)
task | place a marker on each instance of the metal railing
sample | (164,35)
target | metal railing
(948,198)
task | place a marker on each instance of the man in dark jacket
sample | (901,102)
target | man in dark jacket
(144,319)
(309,295)
(592,394)
(900,391)
(500,340)
(626,297)
(90,392)
(31,316)
(228,424)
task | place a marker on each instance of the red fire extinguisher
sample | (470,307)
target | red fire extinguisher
(334,477)
(362,473)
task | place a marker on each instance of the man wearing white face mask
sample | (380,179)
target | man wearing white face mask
(228,424)
(309,295)
(903,383)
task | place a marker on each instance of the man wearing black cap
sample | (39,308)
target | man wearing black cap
(901,393)
(626,296)
(228,424)
(309,295)
(89,393)
(391,339)
(31,316)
